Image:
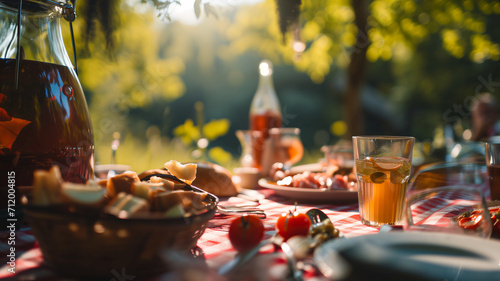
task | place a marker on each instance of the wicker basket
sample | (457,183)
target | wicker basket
(85,246)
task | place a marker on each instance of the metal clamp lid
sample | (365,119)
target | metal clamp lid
(63,7)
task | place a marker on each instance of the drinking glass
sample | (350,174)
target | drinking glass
(441,209)
(449,173)
(383,165)
(282,145)
(287,144)
(493,163)
(248,140)
(339,155)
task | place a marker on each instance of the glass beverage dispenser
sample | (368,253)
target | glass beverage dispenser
(44,119)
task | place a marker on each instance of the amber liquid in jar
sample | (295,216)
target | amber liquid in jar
(262,123)
(44,122)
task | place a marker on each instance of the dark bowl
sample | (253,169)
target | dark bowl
(95,244)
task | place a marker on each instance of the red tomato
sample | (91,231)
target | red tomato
(471,222)
(293,224)
(246,232)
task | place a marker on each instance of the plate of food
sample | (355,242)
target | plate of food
(311,194)
(332,185)
(410,256)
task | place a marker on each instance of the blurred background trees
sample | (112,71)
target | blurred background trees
(166,85)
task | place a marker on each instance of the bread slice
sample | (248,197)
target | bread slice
(176,211)
(167,184)
(163,201)
(89,195)
(47,186)
(125,205)
(121,183)
(146,190)
(191,201)
(185,172)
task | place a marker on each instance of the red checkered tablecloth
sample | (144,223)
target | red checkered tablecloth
(214,242)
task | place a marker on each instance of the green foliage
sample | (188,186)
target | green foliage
(216,128)
(220,155)
(396,29)
(136,75)
(201,135)
(187,132)
(400,26)
(163,7)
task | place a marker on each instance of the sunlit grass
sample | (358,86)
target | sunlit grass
(142,155)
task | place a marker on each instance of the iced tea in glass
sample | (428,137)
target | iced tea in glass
(383,165)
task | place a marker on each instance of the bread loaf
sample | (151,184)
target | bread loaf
(214,179)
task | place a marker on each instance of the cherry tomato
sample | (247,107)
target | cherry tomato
(293,224)
(471,222)
(246,232)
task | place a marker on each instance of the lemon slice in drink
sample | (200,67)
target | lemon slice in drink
(393,163)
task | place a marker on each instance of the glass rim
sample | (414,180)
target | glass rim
(284,130)
(254,133)
(383,137)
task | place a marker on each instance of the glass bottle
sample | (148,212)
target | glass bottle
(44,119)
(265,110)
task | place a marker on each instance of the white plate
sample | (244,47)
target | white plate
(313,167)
(410,256)
(317,168)
(311,194)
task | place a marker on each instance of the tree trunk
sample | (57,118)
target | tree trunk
(353,112)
